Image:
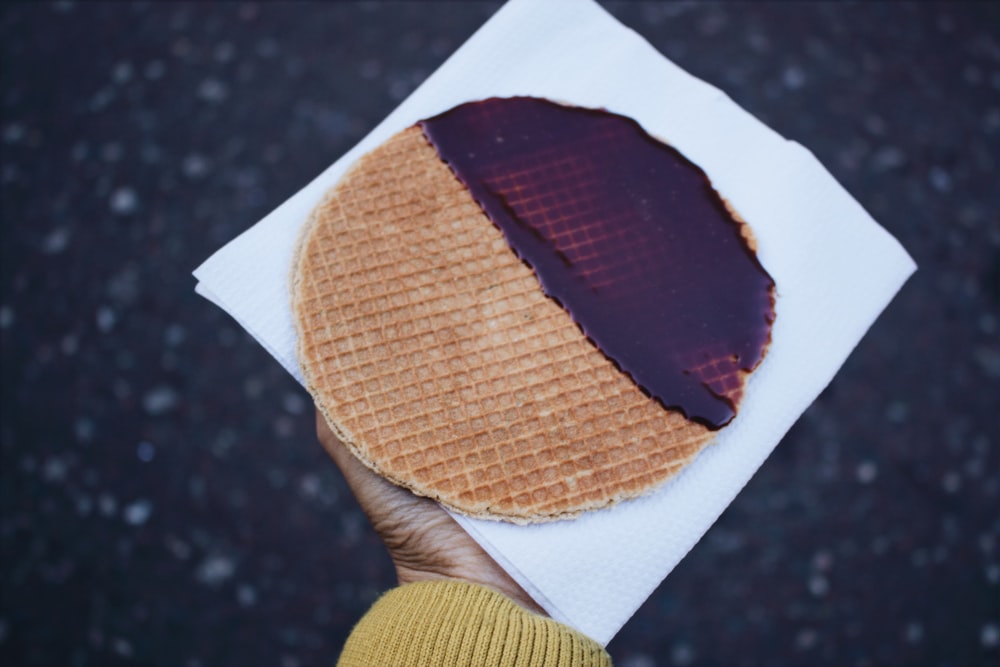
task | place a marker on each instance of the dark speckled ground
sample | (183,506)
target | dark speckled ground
(163,500)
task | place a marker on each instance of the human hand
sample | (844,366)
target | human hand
(424,542)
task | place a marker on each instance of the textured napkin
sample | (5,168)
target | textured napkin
(835,270)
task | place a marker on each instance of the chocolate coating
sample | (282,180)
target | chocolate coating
(628,235)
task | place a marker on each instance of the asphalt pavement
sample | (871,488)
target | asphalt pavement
(163,500)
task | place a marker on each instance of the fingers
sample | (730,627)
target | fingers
(333,446)
(424,542)
(375,495)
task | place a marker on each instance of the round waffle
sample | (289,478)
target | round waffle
(435,357)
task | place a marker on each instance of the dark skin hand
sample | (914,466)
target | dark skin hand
(424,542)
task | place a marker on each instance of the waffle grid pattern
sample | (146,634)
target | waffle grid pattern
(559,197)
(433,353)
(719,372)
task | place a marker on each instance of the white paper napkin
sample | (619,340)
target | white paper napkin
(835,270)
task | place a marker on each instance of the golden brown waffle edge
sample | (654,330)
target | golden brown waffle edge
(435,357)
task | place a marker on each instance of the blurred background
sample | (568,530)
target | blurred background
(162,497)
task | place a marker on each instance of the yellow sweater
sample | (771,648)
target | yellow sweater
(445,623)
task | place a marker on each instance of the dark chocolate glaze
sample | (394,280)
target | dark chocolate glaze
(627,235)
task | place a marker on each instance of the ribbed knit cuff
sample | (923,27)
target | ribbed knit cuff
(455,623)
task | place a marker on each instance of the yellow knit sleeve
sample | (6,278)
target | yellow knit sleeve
(445,623)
